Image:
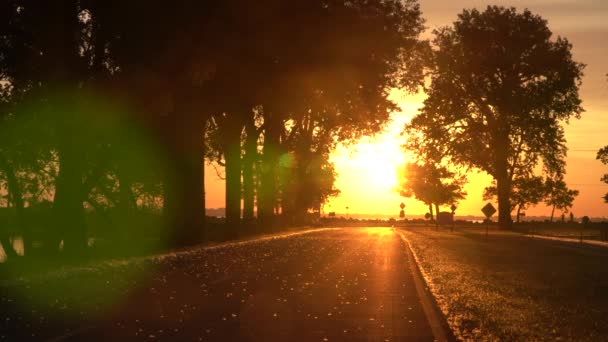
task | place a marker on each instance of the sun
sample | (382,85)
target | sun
(368,172)
(380,166)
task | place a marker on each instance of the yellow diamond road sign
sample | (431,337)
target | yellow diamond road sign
(488,210)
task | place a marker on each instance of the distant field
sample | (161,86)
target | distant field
(511,287)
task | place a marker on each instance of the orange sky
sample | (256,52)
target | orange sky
(367,171)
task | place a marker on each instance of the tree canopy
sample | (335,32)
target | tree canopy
(501,88)
(119,104)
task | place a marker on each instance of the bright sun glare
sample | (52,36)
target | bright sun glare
(369,171)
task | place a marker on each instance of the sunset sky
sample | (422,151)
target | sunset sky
(368,171)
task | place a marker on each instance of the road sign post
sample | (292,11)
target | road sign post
(488,210)
(453,207)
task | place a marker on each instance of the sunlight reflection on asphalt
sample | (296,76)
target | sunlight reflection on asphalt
(348,284)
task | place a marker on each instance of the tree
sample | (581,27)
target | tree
(602,155)
(42,58)
(501,88)
(526,191)
(323,83)
(559,196)
(162,64)
(305,185)
(433,185)
(256,68)
(54,56)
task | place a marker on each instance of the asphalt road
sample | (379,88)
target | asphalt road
(333,285)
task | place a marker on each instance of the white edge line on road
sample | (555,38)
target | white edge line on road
(434,317)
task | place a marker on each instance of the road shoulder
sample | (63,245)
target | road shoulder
(436,319)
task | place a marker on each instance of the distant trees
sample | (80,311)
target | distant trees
(529,190)
(602,155)
(501,88)
(559,196)
(432,184)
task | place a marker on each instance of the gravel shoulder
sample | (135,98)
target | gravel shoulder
(511,287)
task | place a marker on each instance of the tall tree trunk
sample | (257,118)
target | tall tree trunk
(504,206)
(193,197)
(232,156)
(267,191)
(68,204)
(251,145)
(64,68)
(518,212)
(436,214)
(300,207)
(503,182)
(125,207)
(184,199)
(552,213)
(185,189)
(431,212)
(16,199)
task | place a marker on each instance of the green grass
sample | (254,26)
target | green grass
(510,287)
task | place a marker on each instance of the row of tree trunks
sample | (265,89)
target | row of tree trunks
(231,136)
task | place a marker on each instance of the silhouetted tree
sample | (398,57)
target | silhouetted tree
(306,184)
(163,59)
(602,155)
(432,184)
(251,159)
(559,196)
(43,63)
(501,87)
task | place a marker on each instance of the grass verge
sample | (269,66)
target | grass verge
(509,287)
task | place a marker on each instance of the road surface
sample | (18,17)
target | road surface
(352,284)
